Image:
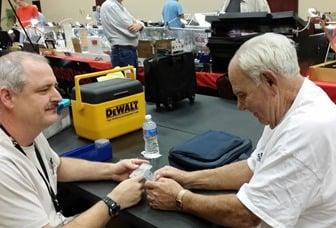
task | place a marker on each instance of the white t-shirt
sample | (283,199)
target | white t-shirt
(24,197)
(294,166)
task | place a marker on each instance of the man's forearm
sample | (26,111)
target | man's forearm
(228,177)
(72,169)
(225,210)
(96,216)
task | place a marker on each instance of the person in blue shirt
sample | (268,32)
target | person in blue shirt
(172,14)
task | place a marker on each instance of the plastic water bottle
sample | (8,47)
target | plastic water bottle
(151,138)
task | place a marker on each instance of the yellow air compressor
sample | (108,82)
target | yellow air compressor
(109,108)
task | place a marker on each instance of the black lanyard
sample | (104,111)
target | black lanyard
(45,177)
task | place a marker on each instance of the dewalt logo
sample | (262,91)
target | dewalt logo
(122,110)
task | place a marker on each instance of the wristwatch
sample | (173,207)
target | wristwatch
(179,199)
(113,207)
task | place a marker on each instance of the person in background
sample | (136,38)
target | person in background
(26,12)
(30,169)
(172,13)
(290,178)
(97,15)
(244,6)
(41,19)
(122,31)
(330,32)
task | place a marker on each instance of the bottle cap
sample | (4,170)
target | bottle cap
(64,103)
(148,117)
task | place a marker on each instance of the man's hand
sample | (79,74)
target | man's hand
(161,194)
(170,172)
(135,27)
(128,192)
(123,168)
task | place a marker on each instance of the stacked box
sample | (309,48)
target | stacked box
(323,72)
(147,48)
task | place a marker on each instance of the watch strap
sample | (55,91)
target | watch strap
(179,199)
(113,207)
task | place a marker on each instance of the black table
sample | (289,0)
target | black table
(174,128)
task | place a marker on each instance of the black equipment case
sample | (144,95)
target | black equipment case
(230,30)
(169,79)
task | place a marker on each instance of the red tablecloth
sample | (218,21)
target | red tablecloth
(207,80)
(95,64)
(329,88)
(203,79)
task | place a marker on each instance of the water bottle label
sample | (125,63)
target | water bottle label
(150,133)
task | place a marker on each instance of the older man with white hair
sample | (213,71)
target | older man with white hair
(290,178)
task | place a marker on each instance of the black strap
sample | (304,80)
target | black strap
(47,181)
(233,7)
(45,177)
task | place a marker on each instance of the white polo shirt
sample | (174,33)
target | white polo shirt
(294,166)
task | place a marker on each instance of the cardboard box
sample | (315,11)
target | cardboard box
(324,75)
(147,48)
(323,72)
(163,45)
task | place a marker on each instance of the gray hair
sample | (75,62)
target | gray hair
(13,71)
(269,51)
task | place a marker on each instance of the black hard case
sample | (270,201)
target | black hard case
(169,79)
